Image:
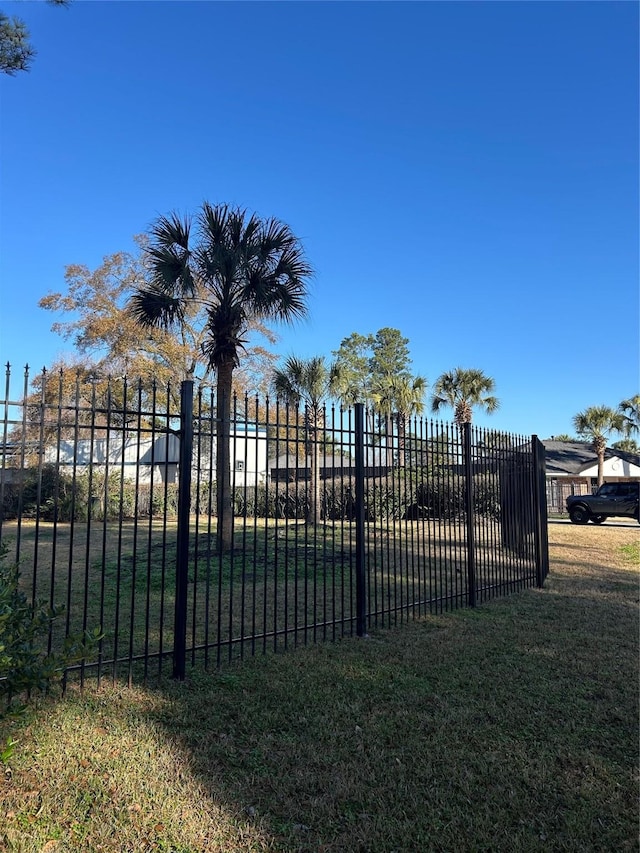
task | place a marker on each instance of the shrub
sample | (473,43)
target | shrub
(55,495)
(24,665)
(445,498)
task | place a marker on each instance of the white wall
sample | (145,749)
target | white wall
(135,456)
(248,454)
(614,467)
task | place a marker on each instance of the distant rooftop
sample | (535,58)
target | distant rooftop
(571,457)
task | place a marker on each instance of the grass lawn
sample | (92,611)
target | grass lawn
(511,727)
(285,583)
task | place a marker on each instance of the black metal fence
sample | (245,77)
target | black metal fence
(342,523)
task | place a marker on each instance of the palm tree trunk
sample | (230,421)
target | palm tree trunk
(386,440)
(402,437)
(224,505)
(463,413)
(313,453)
(600,445)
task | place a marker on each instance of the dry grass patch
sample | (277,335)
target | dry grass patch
(511,727)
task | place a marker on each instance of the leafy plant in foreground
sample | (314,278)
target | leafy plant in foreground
(24,665)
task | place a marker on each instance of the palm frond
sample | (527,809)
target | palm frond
(235,235)
(303,380)
(278,300)
(630,410)
(153,308)
(171,231)
(170,271)
(287,381)
(168,256)
(276,237)
(437,402)
(462,389)
(252,236)
(212,221)
(597,422)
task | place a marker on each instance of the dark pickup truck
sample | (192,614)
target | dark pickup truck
(619,499)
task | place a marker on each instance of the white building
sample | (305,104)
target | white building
(145,457)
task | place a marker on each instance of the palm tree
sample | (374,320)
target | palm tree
(399,398)
(595,424)
(630,410)
(462,390)
(309,382)
(627,445)
(243,269)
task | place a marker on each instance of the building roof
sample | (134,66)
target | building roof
(576,457)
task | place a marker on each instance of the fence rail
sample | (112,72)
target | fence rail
(345,523)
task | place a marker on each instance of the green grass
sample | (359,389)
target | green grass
(120,578)
(631,552)
(513,727)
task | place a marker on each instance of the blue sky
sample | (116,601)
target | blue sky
(465,172)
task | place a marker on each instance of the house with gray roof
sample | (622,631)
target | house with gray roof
(572,469)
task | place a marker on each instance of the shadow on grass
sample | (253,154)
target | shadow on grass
(511,727)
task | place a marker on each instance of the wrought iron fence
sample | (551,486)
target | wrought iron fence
(349,522)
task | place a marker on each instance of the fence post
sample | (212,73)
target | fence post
(468,494)
(540,501)
(361,593)
(182,545)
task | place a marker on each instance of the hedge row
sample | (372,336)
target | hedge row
(385,499)
(53,495)
(56,496)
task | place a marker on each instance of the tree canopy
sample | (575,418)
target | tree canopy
(595,424)
(308,382)
(377,369)
(627,445)
(464,389)
(108,340)
(16,50)
(237,268)
(630,410)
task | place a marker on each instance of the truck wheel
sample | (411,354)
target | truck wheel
(579,515)
(598,519)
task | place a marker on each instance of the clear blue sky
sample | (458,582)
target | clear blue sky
(465,172)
